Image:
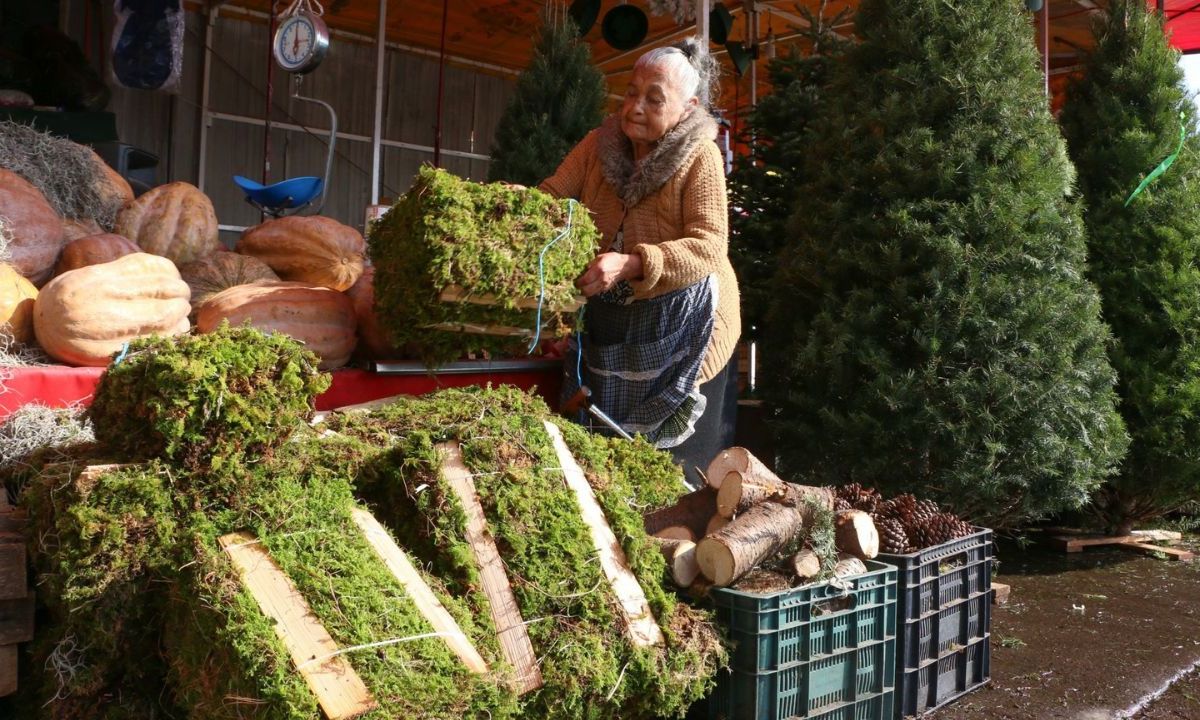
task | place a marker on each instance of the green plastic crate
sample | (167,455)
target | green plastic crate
(822,652)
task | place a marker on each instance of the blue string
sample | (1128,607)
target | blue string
(124,349)
(537,333)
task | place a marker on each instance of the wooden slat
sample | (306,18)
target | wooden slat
(473,329)
(1170,552)
(422,596)
(1076,543)
(1170,536)
(12,567)
(510,626)
(338,688)
(8,670)
(454,293)
(16,620)
(640,625)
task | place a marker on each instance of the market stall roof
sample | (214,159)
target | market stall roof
(497,35)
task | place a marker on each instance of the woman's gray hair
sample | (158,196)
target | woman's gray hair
(693,68)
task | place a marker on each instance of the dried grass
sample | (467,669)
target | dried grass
(37,427)
(15,355)
(67,173)
(6,238)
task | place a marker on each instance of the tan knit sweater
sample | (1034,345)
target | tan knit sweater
(681,229)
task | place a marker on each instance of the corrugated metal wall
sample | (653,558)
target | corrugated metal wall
(168,125)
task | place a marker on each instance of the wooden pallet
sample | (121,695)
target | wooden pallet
(1073,541)
(16,599)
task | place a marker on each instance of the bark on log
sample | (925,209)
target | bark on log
(848,565)
(681,560)
(742,491)
(754,536)
(856,534)
(735,459)
(691,511)
(714,524)
(806,565)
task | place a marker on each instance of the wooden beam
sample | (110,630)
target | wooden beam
(1000,593)
(1170,552)
(338,688)
(12,567)
(422,596)
(640,624)
(16,620)
(470,328)
(8,670)
(456,294)
(510,626)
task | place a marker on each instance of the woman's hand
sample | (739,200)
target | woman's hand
(606,270)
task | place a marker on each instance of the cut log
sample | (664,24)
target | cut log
(806,565)
(741,491)
(418,590)
(681,560)
(1000,593)
(691,511)
(848,565)
(856,534)
(514,640)
(754,536)
(338,688)
(640,625)
(716,523)
(735,459)
(676,532)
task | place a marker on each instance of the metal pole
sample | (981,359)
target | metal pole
(266,171)
(205,85)
(1044,44)
(377,134)
(702,8)
(1162,7)
(437,131)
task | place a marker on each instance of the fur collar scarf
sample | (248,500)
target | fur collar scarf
(635,181)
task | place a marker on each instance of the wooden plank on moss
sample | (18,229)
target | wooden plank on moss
(640,624)
(422,596)
(510,626)
(16,620)
(338,688)
(454,293)
(8,670)
(12,566)
(473,329)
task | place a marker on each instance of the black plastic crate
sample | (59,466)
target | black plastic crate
(944,622)
(823,652)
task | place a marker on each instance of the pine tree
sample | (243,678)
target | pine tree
(1120,121)
(933,331)
(762,185)
(557,100)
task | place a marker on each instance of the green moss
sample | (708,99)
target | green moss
(486,238)
(208,399)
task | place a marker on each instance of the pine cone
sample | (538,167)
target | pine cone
(903,508)
(849,492)
(892,538)
(841,504)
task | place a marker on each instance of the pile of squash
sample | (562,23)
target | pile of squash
(81,294)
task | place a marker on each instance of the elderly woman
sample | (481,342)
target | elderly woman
(662,316)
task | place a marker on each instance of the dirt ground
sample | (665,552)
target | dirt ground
(1090,636)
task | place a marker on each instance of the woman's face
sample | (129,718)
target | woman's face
(654,104)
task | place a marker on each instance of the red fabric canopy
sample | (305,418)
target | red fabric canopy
(1183,24)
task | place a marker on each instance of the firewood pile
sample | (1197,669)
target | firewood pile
(748,519)
(905,524)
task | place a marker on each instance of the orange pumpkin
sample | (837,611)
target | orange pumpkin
(373,341)
(175,220)
(75,229)
(311,250)
(94,250)
(221,271)
(84,316)
(37,232)
(16,303)
(320,318)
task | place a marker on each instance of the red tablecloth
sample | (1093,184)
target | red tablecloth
(59,386)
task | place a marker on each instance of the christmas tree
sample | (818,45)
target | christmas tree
(762,185)
(557,100)
(1125,117)
(932,330)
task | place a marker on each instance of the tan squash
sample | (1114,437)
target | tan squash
(175,220)
(75,229)
(16,304)
(37,232)
(320,318)
(311,250)
(94,250)
(221,271)
(84,316)
(373,342)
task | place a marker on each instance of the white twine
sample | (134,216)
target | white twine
(381,643)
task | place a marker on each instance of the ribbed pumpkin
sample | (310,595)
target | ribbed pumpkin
(321,318)
(175,220)
(311,250)
(373,342)
(94,250)
(36,229)
(84,316)
(16,303)
(221,271)
(75,229)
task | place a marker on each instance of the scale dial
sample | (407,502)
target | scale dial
(301,42)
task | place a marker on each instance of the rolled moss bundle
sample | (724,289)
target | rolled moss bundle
(485,238)
(589,666)
(232,394)
(74,179)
